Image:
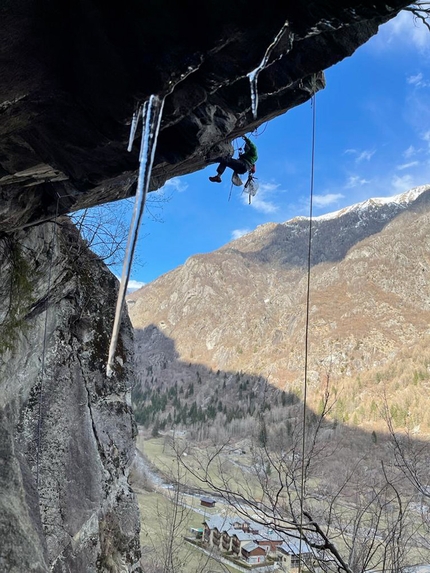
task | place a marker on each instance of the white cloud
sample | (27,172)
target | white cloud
(262,200)
(327,199)
(402,184)
(360,155)
(407,165)
(237,233)
(263,206)
(176,183)
(403,31)
(415,80)
(365,155)
(410,152)
(426,137)
(132,284)
(355,181)
(418,81)
(416,110)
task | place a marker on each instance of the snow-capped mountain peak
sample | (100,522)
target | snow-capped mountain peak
(402,199)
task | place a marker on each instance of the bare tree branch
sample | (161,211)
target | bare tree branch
(421,11)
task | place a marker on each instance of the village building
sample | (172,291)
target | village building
(289,552)
(227,542)
(207,502)
(239,539)
(253,553)
(254,543)
(270,540)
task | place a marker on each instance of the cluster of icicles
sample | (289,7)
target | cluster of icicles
(150,112)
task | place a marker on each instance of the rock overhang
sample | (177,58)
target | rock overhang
(73,73)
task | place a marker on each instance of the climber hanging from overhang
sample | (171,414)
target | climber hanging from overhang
(244,163)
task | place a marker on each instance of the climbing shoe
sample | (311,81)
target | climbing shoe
(215,179)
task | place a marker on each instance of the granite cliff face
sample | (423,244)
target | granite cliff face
(67,431)
(243,307)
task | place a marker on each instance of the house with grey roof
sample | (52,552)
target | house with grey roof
(239,539)
(269,539)
(253,542)
(253,553)
(291,551)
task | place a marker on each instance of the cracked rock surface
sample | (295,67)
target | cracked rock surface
(73,73)
(67,431)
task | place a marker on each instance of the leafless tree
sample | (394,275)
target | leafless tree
(412,459)
(411,455)
(105,227)
(354,517)
(421,11)
(167,551)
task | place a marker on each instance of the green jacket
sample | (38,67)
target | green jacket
(250,154)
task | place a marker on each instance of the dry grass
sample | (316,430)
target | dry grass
(229,470)
(157,512)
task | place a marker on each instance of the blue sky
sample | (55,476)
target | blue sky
(372,140)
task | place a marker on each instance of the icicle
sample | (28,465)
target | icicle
(133,128)
(253,76)
(151,119)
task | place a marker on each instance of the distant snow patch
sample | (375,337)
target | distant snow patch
(401,199)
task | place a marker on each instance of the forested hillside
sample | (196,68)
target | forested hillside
(223,336)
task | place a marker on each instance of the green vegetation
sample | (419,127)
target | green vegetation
(19,293)
(180,405)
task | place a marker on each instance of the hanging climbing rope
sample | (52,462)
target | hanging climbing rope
(255,132)
(305,381)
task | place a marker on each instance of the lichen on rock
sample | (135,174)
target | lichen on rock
(67,431)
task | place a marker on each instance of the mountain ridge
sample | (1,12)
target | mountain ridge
(404,198)
(348,226)
(243,307)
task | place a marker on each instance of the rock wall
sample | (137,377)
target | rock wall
(74,72)
(66,430)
